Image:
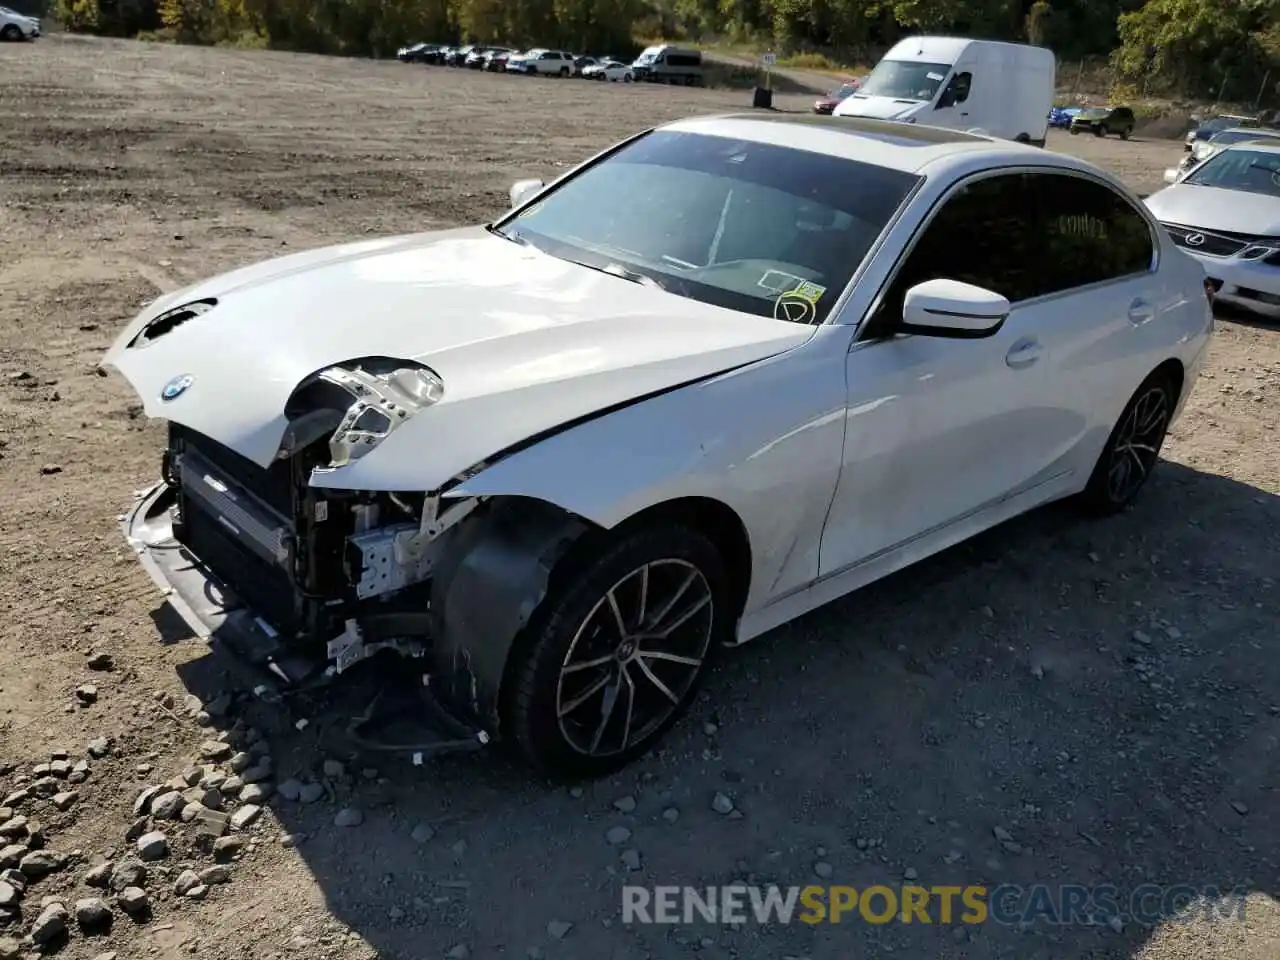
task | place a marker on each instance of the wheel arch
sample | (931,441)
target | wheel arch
(502,563)
(1177,374)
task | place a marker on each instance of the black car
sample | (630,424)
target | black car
(1103,120)
(413,54)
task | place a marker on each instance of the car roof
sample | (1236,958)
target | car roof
(886,143)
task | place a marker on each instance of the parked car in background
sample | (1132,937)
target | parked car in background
(800,354)
(832,100)
(496,60)
(479,56)
(1225,212)
(457,56)
(668,64)
(410,54)
(1061,117)
(611,70)
(1101,121)
(1204,149)
(543,62)
(1207,128)
(580,63)
(17,26)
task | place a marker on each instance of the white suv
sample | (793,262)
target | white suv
(554,63)
(17,26)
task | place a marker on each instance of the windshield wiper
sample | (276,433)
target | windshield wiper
(513,237)
(635,276)
(615,269)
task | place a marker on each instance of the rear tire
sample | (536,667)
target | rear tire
(1075,131)
(564,72)
(626,78)
(630,629)
(1124,134)
(1099,132)
(1133,449)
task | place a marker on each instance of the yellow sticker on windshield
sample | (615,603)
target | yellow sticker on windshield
(808,291)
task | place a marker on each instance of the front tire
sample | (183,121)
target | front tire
(616,652)
(1133,448)
(10,33)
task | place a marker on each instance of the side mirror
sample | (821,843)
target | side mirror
(1171,175)
(522,190)
(949,308)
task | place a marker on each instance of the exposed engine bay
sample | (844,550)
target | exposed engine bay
(309,581)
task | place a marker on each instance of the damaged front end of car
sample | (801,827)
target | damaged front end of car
(305,580)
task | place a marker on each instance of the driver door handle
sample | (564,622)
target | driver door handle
(1023,354)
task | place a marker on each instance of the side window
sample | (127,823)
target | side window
(980,236)
(1088,233)
(960,86)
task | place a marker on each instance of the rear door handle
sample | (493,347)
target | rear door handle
(1023,353)
(1140,312)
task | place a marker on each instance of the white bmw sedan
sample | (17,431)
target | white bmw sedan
(1226,213)
(722,373)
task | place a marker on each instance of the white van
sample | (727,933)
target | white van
(1000,89)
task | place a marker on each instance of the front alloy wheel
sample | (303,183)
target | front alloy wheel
(634,657)
(617,652)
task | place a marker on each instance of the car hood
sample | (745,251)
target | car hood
(876,108)
(522,341)
(1212,208)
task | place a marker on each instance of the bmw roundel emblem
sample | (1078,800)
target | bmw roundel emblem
(177,387)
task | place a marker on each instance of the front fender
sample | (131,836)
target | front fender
(766,440)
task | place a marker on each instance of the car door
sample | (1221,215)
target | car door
(954,107)
(939,428)
(1100,294)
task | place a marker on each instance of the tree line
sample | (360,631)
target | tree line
(1168,46)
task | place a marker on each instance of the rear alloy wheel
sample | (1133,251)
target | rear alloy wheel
(564,72)
(1132,449)
(617,652)
(626,78)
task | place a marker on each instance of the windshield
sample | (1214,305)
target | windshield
(905,79)
(1251,171)
(763,229)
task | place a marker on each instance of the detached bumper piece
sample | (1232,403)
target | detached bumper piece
(401,716)
(210,608)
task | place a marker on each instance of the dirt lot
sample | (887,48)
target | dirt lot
(1057,702)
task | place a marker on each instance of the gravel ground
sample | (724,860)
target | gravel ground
(1056,702)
